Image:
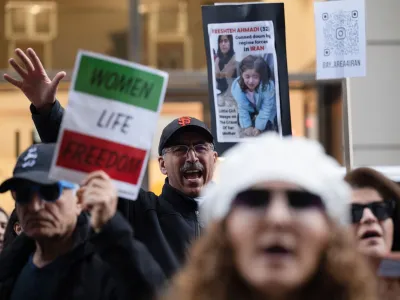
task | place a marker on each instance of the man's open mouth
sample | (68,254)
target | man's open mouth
(192,174)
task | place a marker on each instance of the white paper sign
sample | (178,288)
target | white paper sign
(109,122)
(252,47)
(341,41)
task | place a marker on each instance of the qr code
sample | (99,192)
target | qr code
(341,31)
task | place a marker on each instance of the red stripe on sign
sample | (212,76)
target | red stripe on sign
(85,153)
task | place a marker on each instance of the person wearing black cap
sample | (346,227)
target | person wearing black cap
(63,253)
(166,224)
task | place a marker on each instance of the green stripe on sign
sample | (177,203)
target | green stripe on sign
(117,82)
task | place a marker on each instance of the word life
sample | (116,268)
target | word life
(113,120)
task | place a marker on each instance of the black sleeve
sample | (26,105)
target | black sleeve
(137,273)
(48,124)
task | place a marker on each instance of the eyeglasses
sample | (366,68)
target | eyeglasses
(182,150)
(382,210)
(260,199)
(23,193)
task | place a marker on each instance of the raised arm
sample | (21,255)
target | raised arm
(41,92)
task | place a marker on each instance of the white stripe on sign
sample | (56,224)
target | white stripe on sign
(111,120)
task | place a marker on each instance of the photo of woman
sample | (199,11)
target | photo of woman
(225,69)
(255,95)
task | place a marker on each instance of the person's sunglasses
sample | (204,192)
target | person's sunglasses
(23,193)
(261,199)
(382,210)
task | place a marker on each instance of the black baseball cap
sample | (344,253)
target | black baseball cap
(181,124)
(32,165)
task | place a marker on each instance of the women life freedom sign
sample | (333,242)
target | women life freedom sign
(110,121)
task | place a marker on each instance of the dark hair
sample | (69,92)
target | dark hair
(10,234)
(254,62)
(389,190)
(222,83)
(225,58)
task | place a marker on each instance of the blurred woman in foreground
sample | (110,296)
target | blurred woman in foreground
(275,229)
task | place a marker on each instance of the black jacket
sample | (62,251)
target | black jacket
(166,224)
(108,265)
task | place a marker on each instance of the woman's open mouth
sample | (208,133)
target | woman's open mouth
(278,253)
(370,234)
(277,249)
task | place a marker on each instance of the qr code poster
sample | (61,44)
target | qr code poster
(341,42)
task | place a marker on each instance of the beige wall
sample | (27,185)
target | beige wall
(14,115)
(89,24)
(300,34)
(82,24)
(374,98)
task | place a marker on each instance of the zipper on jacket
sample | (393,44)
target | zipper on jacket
(197,232)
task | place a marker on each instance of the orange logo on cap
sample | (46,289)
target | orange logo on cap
(184,121)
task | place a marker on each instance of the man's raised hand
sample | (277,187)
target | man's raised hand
(34,83)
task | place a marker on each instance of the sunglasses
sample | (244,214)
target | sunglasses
(382,210)
(24,193)
(261,199)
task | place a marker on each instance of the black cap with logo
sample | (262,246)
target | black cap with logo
(32,165)
(182,124)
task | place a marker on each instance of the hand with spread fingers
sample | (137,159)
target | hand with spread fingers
(98,195)
(34,83)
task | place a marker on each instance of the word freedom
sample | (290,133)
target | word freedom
(133,86)
(99,157)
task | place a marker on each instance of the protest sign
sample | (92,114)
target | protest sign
(247,71)
(109,122)
(341,40)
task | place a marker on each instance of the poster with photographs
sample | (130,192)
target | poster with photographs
(244,79)
(247,71)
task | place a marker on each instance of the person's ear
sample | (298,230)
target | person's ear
(215,156)
(161,163)
(17,228)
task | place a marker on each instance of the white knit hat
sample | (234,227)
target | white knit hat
(271,158)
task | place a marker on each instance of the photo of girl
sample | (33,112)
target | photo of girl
(243,80)
(225,69)
(255,95)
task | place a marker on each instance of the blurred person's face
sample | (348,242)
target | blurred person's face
(278,233)
(3,225)
(251,79)
(188,169)
(224,44)
(42,219)
(372,222)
